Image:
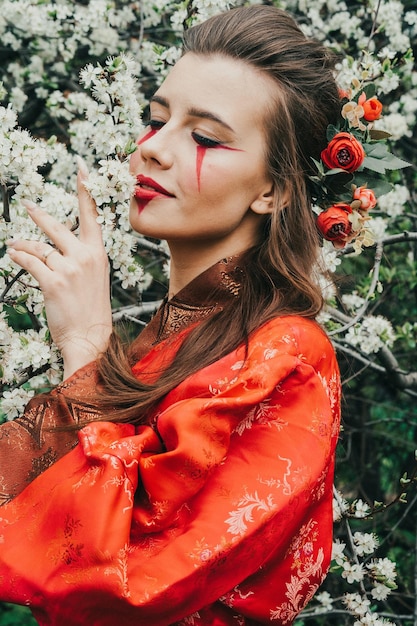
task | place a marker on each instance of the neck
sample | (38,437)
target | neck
(187,264)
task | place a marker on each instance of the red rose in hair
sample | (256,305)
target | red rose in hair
(334,224)
(366,197)
(372,108)
(343,151)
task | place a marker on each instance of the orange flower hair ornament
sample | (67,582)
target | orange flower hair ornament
(372,108)
(343,151)
(351,173)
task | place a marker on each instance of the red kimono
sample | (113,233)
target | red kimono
(219,512)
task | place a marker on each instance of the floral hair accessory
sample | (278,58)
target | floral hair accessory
(372,108)
(351,173)
(335,225)
(343,151)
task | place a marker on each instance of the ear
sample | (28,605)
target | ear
(264,203)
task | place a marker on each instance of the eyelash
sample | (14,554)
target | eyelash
(205,142)
(155,124)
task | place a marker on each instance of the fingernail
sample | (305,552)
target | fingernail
(10,242)
(29,205)
(82,166)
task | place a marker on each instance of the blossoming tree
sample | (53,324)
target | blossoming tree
(76,77)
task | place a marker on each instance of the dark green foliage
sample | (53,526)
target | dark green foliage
(12,615)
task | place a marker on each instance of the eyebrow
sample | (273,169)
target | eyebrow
(194,112)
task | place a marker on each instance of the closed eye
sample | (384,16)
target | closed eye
(206,142)
(155,124)
(201,140)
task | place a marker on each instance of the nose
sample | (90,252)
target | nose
(155,146)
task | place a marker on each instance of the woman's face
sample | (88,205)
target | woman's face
(200,163)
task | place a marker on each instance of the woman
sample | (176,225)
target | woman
(200,491)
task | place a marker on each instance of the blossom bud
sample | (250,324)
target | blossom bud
(372,108)
(366,198)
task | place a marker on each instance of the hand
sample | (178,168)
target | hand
(74,278)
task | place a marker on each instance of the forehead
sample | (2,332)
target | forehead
(231,88)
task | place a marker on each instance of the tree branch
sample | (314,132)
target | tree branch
(133,312)
(375,277)
(386,241)
(400,378)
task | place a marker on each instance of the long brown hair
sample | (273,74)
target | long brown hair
(278,271)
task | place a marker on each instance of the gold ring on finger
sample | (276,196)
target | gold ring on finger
(47,253)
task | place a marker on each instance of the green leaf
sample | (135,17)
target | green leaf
(386,65)
(376,150)
(376,135)
(376,165)
(390,584)
(130,147)
(404,480)
(370,90)
(392,162)
(336,170)
(319,165)
(381,152)
(337,182)
(20,309)
(381,187)
(331,132)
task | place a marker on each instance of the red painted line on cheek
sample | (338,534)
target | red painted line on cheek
(201,153)
(148,135)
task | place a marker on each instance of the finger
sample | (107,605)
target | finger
(39,270)
(47,254)
(39,249)
(89,228)
(58,233)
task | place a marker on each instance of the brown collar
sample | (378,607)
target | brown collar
(205,295)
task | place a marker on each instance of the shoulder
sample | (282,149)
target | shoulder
(297,351)
(296,341)
(292,333)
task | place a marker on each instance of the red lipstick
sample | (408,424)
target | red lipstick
(147,188)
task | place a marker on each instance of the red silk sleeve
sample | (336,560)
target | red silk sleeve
(224,512)
(31,443)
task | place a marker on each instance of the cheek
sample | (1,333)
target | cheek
(192,171)
(200,155)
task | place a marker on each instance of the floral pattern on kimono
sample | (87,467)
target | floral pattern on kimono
(220,513)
